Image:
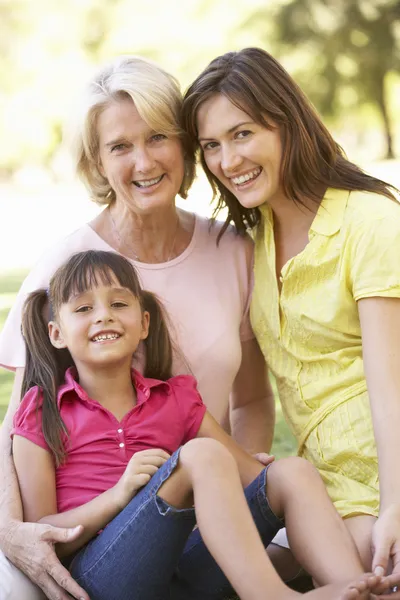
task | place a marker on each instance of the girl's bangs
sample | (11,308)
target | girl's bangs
(87,270)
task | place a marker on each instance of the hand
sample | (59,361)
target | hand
(264,458)
(386,544)
(30,546)
(139,471)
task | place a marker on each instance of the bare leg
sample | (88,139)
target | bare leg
(227,528)
(360,528)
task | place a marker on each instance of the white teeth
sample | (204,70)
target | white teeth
(148,183)
(247,177)
(106,336)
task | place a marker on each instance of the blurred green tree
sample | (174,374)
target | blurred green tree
(349,48)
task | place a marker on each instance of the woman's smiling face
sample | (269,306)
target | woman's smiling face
(144,167)
(242,154)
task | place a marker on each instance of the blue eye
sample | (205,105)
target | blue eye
(158,137)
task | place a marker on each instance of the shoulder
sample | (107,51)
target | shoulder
(182,382)
(369,209)
(230,244)
(29,407)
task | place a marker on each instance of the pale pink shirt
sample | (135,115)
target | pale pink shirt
(206,291)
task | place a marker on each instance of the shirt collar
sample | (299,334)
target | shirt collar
(142,384)
(330,214)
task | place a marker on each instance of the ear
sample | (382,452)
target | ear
(145,325)
(55,335)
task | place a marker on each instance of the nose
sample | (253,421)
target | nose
(103,314)
(230,159)
(144,160)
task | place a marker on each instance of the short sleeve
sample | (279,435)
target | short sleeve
(246,331)
(191,406)
(28,419)
(375,259)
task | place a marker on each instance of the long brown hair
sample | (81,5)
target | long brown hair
(311,159)
(46,365)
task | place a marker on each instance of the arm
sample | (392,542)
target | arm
(249,467)
(36,475)
(30,546)
(252,411)
(380,325)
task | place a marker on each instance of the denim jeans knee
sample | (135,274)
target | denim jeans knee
(135,556)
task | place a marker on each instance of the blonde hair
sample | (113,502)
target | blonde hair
(158,100)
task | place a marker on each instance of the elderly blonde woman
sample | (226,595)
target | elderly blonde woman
(135,159)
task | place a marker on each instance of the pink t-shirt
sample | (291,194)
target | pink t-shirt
(206,291)
(167,415)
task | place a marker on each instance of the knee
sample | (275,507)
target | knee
(295,470)
(206,453)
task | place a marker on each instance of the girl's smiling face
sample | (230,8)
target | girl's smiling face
(242,154)
(100,326)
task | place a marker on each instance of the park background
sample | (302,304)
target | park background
(345,54)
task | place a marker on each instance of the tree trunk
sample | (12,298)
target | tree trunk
(382,105)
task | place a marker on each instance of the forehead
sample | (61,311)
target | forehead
(120,118)
(217,115)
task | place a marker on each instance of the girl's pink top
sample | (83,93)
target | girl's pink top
(167,415)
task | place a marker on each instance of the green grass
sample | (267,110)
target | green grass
(284,443)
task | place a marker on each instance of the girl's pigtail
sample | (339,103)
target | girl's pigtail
(45,368)
(158,342)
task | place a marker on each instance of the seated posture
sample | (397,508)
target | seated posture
(326,301)
(125,456)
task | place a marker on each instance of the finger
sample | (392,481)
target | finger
(63,578)
(143,479)
(53,591)
(264,458)
(153,452)
(155,461)
(381,556)
(148,470)
(61,534)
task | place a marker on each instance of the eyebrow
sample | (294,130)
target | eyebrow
(231,130)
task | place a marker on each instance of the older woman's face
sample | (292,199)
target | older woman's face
(245,156)
(144,167)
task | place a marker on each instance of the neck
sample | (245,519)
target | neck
(148,238)
(111,386)
(290,216)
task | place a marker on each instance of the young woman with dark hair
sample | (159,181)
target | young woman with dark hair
(325,306)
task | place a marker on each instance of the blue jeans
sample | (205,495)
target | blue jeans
(150,551)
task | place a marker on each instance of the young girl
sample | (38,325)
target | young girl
(326,300)
(98,445)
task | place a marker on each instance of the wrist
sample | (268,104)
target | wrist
(7,532)
(389,507)
(119,496)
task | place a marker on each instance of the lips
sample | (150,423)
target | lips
(145,183)
(246,177)
(104,336)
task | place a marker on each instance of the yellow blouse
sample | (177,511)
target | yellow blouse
(311,337)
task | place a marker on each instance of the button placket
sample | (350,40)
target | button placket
(120,432)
